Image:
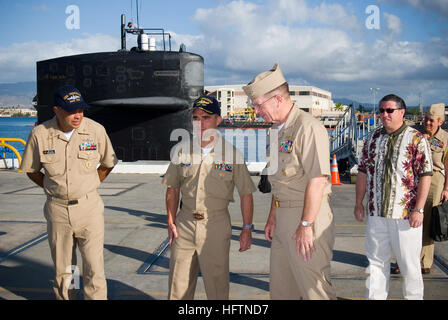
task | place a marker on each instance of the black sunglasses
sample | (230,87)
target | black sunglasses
(388,110)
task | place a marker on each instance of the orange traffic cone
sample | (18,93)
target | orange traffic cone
(335,172)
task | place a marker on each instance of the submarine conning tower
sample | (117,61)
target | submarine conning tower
(140,95)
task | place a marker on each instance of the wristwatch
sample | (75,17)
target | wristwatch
(419,211)
(306,223)
(248,226)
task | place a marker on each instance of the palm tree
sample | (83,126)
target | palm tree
(338,107)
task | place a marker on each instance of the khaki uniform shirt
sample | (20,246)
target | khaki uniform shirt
(69,165)
(207,183)
(303,154)
(439,147)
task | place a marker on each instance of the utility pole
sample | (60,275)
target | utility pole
(420,102)
(374,90)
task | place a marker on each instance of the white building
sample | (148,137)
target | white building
(9,112)
(309,98)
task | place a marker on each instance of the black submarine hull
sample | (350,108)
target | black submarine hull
(140,97)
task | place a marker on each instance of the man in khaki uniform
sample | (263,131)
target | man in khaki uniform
(69,148)
(300,223)
(204,173)
(438,140)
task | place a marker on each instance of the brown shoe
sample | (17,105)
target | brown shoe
(395,270)
(426,270)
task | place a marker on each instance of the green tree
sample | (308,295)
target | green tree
(339,107)
(414,112)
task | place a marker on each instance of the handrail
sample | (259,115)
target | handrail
(348,132)
(13,149)
(13,140)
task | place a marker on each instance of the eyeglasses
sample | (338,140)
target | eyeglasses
(388,110)
(260,104)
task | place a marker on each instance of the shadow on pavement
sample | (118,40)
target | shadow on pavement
(33,281)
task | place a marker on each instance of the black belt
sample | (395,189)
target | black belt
(64,202)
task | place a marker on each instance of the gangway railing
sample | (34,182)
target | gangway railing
(6,148)
(347,138)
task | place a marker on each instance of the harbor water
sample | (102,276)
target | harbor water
(251,142)
(16,127)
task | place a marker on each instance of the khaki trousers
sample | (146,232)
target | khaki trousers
(291,277)
(427,254)
(79,225)
(202,245)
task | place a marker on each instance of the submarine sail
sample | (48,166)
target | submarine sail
(140,95)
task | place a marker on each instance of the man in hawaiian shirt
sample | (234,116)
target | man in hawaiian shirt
(395,170)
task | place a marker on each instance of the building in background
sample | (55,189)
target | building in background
(309,98)
(17,112)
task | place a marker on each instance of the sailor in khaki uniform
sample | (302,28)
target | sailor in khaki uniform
(68,148)
(300,224)
(438,192)
(203,174)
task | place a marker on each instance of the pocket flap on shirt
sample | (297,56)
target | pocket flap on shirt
(48,158)
(87,155)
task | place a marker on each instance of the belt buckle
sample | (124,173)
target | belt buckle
(72,202)
(198,216)
(277,204)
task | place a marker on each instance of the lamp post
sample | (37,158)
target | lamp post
(374,90)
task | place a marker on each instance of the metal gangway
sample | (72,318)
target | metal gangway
(347,138)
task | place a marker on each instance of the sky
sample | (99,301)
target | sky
(343,46)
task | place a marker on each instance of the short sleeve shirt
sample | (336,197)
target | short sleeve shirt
(394,164)
(439,148)
(207,182)
(303,153)
(69,165)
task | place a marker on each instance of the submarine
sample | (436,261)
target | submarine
(139,95)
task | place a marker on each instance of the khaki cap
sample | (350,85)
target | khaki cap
(438,109)
(264,82)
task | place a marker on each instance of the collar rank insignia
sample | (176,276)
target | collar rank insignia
(49,152)
(286,146)
(223,167)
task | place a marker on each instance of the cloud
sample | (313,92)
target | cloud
(444,61)
(42,8)
(324,45)
(240,39)
(393,23)
(437,6)
(18,61)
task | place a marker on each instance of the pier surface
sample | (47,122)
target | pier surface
(137,256)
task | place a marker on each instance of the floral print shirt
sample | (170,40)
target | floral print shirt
(394,164)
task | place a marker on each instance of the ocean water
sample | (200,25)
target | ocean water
(251,142)
(19,127)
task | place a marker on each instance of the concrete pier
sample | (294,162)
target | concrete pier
(137,256)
